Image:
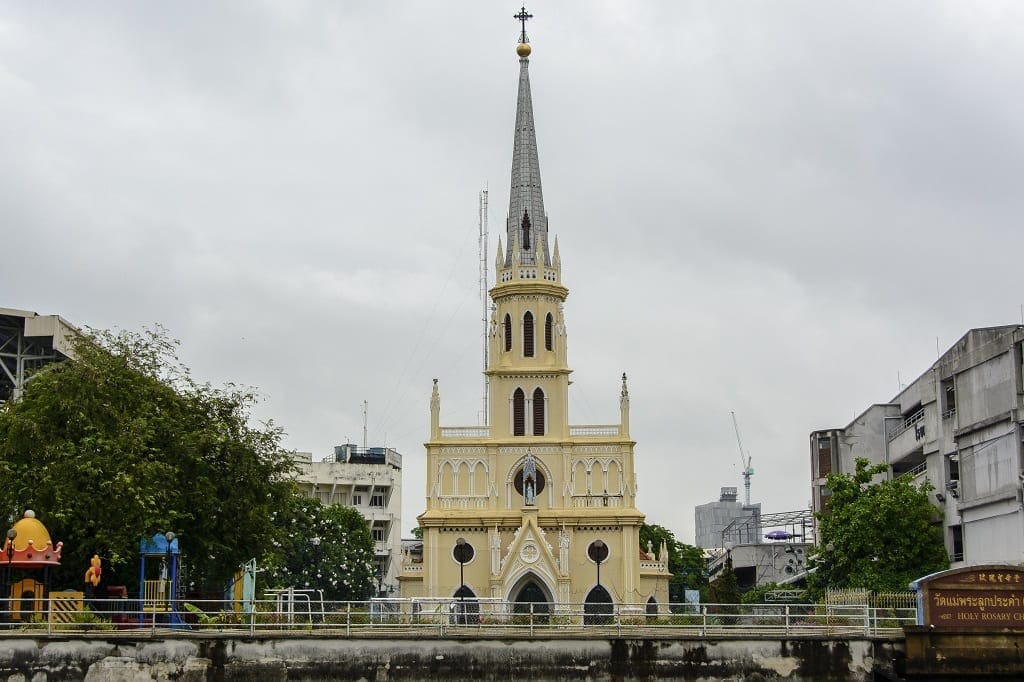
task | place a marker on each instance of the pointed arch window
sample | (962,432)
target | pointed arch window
(549,324)
(526,229)
(539,406)
(528,334)
(508,332)
(519,413)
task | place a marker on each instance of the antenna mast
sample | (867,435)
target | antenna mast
(482,219)
(745,458)
(366,406)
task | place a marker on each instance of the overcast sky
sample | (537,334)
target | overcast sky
(772,208)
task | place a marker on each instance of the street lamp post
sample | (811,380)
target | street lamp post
(169,536)
(11,534)
(316,573)
(598,606)
(460,556)
(316,560)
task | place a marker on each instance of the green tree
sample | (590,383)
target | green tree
(876,535)
(685,562)
(726,590)
(322,548)
(121,443)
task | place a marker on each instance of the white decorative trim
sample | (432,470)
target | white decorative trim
(462,450)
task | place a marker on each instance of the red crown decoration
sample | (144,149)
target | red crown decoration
(30,555)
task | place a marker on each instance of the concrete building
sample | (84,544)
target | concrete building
(958,425)
(766,548)
(530,509)
(29,341)
(711,519)
(369,481)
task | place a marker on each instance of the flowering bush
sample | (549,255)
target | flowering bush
(322,548)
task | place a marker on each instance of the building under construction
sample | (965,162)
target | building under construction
(28,342)
(712,518)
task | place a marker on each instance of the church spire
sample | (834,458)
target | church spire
(527,222)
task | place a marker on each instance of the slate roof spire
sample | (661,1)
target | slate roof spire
(527,223)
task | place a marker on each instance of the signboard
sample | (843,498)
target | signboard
(975,597)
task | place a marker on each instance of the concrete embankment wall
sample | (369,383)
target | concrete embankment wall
(197,658)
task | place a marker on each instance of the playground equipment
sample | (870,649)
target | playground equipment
(158,598)
(28,548)
(242,590)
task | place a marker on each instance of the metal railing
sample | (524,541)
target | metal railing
(453,617)
(916,471)
(907,423)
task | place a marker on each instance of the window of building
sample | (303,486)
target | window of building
(597,551)
(824,455)
(528,334)
(462,551)
(948,397)
(508,332)
(549,324)
(357,500)
(957,538)
(377,500)
(519,413)
(378,534)
(324,496)
(526,230)
(954,467)
(539,405)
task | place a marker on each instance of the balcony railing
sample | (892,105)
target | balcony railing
(907,423)
(465,502)
(919,470)
(465,432)
(594,430)
(589,501)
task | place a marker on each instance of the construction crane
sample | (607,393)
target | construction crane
(745,458)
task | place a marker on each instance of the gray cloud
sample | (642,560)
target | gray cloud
(772,209)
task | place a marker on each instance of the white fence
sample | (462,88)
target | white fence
(454,617)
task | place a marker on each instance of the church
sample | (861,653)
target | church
(530,510)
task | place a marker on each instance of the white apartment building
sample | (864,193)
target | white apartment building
(370,481)
(959,426)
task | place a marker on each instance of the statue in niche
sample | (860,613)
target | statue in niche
(529,480)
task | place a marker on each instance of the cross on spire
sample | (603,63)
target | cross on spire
(523,17)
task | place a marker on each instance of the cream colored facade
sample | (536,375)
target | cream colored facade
(532,548)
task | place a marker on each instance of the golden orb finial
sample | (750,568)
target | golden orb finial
(523,49)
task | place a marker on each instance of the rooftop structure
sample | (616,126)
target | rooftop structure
(370,481)
(29,341)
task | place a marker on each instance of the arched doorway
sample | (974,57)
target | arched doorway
(466,607)
(598,607)
(531,597)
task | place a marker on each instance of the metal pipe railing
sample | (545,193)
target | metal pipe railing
(446,617)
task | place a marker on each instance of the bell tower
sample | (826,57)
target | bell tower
(527,367)
(517,509)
